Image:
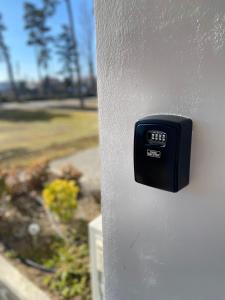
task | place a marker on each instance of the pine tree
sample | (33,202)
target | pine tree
(65,52)
(5,55)
(39,32)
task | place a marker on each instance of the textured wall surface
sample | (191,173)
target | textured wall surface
(162,56)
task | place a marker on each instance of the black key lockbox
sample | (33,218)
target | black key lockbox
(162,149)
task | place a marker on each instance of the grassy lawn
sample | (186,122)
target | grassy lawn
(27,135)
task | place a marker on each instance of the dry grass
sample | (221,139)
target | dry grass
(26,135)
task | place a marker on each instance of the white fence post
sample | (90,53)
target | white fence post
(96,255)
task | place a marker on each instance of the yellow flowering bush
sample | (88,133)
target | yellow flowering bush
(60,197)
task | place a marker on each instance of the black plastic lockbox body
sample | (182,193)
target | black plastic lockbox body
(162,150)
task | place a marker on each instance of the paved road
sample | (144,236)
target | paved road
(88,162)
(6,294)
(90,103)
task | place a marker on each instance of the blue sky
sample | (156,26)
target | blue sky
(23,56)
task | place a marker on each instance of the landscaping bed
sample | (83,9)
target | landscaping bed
(44,228)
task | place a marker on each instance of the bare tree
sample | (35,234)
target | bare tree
(86,22)
(75,47)
(4,52)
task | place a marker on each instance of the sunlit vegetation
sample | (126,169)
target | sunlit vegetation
(28,135)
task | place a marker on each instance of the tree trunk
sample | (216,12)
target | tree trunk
(38,66)
(76,60)
(11,75)
(39,74)
(92,82)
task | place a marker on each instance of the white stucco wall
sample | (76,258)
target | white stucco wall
(162,56)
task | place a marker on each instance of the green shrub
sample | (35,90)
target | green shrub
(72,276)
